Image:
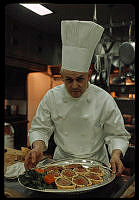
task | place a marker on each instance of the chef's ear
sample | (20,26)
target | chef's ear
(61,72)
(89,74)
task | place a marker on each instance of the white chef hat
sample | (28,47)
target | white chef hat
(79,40)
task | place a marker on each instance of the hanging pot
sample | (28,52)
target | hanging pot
(127,50)
(127,53)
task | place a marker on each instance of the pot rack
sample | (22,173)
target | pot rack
(103,74)
(108,33)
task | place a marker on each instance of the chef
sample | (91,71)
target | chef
(83,116)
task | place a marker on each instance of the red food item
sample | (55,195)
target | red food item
(39,170)
(54,173)
(80,180)
(49,168)
(68,173)
(49,179)
(72,166)
(80,169)
(63,181)
(95,169)
(92,176)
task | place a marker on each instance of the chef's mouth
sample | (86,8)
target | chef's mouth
(76,90)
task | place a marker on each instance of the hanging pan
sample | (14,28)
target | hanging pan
(127,53)
(127,50)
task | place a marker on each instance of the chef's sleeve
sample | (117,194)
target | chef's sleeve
(42,126)
(115,134)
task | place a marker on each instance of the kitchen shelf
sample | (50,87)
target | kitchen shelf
(124,89)
(12,118)
(130,128)
(126,106)
(124,98)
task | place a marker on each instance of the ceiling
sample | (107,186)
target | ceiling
(121,15)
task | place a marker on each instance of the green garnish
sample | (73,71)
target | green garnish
(34,179)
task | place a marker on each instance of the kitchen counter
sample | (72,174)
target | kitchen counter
(10,157)
(123,185)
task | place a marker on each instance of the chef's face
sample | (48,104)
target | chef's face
(75,82)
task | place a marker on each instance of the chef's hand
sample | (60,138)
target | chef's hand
(116,163)
(32,158)
(35,155)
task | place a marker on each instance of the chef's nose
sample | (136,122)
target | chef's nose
(74,84)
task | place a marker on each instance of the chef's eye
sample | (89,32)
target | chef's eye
(69,80)
(80,79)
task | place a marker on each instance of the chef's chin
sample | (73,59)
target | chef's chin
(76,94)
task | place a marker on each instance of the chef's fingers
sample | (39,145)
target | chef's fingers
(27,163)
(117,167)
(120,167)
(30,160)
(113,167)
(34,157)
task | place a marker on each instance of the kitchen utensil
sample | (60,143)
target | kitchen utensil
(127,50)
(126,53)
(116,62)
(92,80)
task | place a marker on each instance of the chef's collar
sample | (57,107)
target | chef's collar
(67,97)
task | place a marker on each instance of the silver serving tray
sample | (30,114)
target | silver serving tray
(108,175)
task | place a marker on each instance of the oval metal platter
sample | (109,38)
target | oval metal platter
(107,178)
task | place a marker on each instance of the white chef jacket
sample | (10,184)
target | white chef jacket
(82,126)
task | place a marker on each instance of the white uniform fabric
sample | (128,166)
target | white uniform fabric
(79,40)
(81,125)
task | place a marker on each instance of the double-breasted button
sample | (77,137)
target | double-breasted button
(66,133)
